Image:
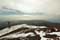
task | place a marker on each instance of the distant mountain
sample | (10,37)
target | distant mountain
(34,22)
(29,22)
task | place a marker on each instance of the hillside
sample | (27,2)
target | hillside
(29,22)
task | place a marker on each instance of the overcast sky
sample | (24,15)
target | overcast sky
(50,9)
(28,6)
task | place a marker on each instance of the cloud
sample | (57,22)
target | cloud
(49,8)
(7,3)
(54,10)
(32,5)
(28,6)
(26,17)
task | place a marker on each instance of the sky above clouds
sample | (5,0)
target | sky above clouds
(45,9)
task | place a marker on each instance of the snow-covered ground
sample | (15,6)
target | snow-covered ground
(18,34)
(7,30)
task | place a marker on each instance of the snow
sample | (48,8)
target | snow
(15,35)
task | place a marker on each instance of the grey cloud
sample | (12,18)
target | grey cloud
(46,9)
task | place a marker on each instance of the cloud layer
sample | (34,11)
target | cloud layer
(28,6)
(49,8)
(34,7)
